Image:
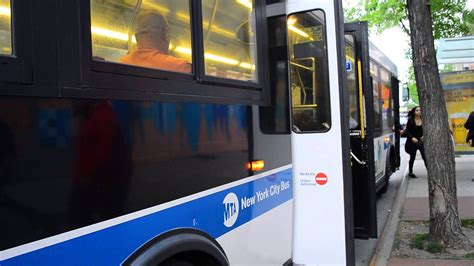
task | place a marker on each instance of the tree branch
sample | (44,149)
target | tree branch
(404,28)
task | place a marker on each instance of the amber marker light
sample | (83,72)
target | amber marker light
(255,165)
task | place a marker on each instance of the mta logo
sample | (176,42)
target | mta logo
(231,209)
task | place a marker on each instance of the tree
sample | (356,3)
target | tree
(445,226)
(437,19)
(450,18)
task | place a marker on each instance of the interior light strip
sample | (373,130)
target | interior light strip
(246,3)
(109,33)
(183,50)
(298,31)
(221,59)
(247,65)
(157,7)
(5,11)
(205,23)
(216,58)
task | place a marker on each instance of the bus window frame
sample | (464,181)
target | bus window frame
(361,123)
(387,129)
(377,129)
(326,61)
(99,79)
(262,53)
(17,67)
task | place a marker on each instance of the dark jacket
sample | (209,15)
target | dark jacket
(413,131)
(469,125)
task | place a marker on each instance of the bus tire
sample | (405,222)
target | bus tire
(182,247)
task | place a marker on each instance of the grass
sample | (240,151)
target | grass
(468,223)
(417,241)
(420,241)
(435,247)
(469,256)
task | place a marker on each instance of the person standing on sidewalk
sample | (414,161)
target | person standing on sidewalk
(469,125)
(414,133)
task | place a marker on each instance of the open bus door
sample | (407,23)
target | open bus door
(396,112)
(322,223)
(359,87)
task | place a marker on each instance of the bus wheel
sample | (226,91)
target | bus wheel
(182,247)
(191,258)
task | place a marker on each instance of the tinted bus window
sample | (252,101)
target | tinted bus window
(229,39)
(152,34)
(376,91)
(5,28)
(386,99)
(275,119)
(309,83)
(351,66)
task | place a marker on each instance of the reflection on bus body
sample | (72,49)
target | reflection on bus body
(102,167)
(151,32)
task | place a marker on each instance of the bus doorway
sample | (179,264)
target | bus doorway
(372,88)
(361,130)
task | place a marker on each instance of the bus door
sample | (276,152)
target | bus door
(361,130)
(396,114)
(322,225)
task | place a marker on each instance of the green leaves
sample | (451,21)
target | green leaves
(450,18)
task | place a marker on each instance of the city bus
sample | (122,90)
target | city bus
(230,153)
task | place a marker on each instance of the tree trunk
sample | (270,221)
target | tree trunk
(445,225)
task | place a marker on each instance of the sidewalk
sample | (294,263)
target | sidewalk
(412,205)
(416,206)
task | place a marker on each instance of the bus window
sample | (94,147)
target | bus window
(275,119)
(309,82)
(351,65)
(386,100)
(151,34)
(229,39)
(377,100)
(5,28)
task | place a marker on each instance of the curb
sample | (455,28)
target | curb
(385,243)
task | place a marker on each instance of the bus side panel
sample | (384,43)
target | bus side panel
(266,240)
(382,146)
(74,163)
(238,212)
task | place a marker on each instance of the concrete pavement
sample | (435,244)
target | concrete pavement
(416,205)
(412,204)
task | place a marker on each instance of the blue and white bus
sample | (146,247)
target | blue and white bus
(180,132)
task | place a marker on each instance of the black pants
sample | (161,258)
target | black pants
(412,151)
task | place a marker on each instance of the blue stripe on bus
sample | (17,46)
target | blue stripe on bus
(111,246)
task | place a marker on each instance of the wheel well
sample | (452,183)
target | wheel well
(392,158)
(185,246)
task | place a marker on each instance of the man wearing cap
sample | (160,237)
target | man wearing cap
(151,32)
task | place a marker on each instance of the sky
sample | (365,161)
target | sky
(394,43)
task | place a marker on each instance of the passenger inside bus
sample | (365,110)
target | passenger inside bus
(153,40)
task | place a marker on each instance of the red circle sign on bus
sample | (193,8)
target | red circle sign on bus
(321,179)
